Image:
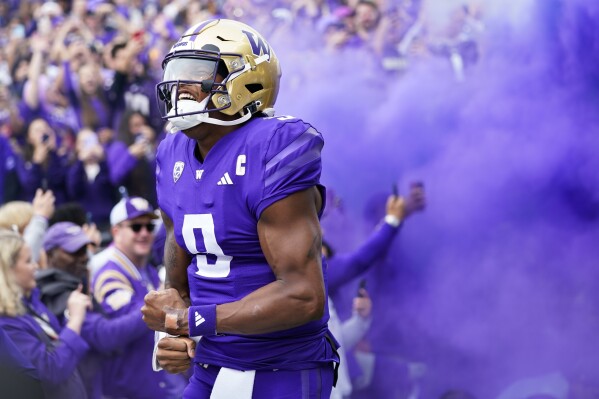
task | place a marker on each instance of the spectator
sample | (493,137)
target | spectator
(18,377)
(132,158)
(75,213)
(349,333)
(11,120)
(343,268)
(88,96)
(133,87)
(41,97)
(88,179)
(42,164)
(67,247)
(55,352)
(366,18)
(9,186)
(119,286)
(30,220)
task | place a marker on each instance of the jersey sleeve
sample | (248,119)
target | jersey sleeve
(159,172)
(109,335)
(162,176)
(291,163)
(112,290)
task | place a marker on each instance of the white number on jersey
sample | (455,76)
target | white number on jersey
(205,222)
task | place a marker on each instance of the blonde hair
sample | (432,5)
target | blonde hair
(11,244)
(16,213)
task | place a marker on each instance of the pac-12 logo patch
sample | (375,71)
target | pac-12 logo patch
(178,170)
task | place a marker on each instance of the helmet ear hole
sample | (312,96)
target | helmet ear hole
(222,69)
(254,87)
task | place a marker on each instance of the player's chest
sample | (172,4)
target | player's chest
(219,186)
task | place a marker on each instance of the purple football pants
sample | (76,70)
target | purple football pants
(268,384)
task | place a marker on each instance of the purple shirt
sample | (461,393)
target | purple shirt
(56,360)
(135,174)
(7,167)
(53,177)
(99,102)
(97,196)
(344,268)
(120,160)
(215,207)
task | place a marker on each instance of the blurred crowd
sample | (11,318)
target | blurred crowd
(78,114)
(79,127)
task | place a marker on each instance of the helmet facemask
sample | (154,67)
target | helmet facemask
(185,77)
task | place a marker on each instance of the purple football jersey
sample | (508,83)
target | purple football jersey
(215,207)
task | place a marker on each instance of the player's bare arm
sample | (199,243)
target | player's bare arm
(290,237)
(176,260)
(164,310)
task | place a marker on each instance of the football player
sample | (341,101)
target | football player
(240,197)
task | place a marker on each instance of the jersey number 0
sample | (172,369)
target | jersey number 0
(205,222)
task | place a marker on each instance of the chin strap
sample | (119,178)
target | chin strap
(177,123)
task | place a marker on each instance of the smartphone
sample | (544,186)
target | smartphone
(84,283)
(395,190)
(123,192)
(17,32)
(90,141)
(139,138)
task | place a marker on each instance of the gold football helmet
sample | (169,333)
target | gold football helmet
(244,60)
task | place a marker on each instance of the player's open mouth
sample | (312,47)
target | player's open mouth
(186,96)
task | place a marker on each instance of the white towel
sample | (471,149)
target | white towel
(233,384)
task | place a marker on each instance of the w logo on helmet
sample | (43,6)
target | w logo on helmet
(258,47)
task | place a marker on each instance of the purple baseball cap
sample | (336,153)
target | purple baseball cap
(130,208)
(66,235)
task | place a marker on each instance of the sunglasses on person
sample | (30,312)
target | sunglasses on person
(136,227)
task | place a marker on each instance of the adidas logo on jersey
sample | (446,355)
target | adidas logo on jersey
(225,180)
(199,319)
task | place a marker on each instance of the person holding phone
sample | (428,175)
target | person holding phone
(88,179)
(346,268)
(42,163)
(55,351)
(132,156)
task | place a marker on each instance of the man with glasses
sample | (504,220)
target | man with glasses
(119,286)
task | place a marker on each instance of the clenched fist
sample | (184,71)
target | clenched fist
(166,311)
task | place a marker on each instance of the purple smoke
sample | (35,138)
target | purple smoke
(498,279)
